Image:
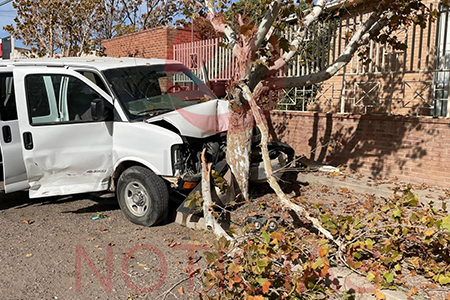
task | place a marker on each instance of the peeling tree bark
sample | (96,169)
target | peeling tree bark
(239,144)
(238,153)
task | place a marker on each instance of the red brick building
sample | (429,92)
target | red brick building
(151,43)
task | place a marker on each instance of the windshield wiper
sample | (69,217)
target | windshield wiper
(153,112)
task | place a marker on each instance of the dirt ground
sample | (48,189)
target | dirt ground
(53,248)
(44,240)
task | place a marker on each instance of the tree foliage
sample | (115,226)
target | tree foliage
(385,241)
(71,28)
(49,26)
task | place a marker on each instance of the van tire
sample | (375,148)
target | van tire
(143,196)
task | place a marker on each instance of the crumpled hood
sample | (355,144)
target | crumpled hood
(200,120)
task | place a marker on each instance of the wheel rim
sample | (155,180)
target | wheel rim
(136,198)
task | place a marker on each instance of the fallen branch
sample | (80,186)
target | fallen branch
(284,201)
(211,222)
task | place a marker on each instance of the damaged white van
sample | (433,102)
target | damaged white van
(134,126)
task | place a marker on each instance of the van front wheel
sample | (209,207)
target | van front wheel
(143,196)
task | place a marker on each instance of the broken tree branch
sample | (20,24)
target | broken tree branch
(267,21)
(211,222)
(260,89)
(370,27)
(219,24)
(316,11)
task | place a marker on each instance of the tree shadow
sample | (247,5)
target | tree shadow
(371,140)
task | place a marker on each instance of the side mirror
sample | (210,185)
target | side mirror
(99,110)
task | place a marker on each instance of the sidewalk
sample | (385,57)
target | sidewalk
(379,188)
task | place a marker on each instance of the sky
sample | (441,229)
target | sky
(7,14)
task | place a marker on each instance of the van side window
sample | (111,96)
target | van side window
(58,99)
(96,79)
(38,97)
(8,111)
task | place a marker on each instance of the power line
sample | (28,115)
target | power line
(5,2)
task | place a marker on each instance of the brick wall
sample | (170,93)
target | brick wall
(413,149)
(151,43)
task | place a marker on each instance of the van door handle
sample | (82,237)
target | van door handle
(7,136)
(28,140)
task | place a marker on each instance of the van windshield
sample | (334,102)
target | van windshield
(154,89)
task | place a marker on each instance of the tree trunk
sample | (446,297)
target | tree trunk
(239,145)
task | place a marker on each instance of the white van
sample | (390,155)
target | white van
(134,126)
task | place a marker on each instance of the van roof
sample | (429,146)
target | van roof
(100,63)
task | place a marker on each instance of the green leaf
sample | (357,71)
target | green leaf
(429,232)
(261,280)
(262,262)
(266,236)
(405,231)
(284,44)
(318,263)
(446,222)
(411,199)
(369,244)
(210,257)
(370,276)
(235,269)
(397,213)
(389,277)
(444,279)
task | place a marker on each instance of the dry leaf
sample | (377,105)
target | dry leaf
(29,255)
(412,291)
(379,295)
(180,291)
(29,222)
(103,229)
